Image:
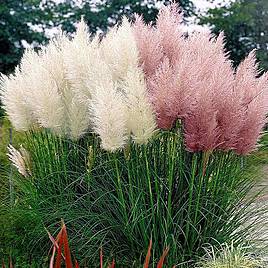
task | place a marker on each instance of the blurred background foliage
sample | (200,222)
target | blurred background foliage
(245,24)
(30,21)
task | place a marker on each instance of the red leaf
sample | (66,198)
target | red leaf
(10,262)
(112,265)
(148,255)
(55,247)
(59,243)
(51,263)
(67,252)
(162,259)
(76,265)
(101,258)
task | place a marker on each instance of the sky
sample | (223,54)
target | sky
(204,4)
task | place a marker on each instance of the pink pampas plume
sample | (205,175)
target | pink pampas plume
(229,118)
(163,40)
(246,82)
(150,50)
(253,93)
(227,102)
(187,78)
(200,126)
(161,91)
(192,79)
(201,129)
(170,32)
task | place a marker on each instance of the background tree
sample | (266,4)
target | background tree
(28,21)
(245,23)
(104,13)
(21,22)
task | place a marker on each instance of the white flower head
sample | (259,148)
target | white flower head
(20,159)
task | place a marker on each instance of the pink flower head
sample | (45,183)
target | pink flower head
(150,50)
(170,32)
(161,87)
(253,93)
(192,79)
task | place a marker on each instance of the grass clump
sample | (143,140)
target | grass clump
(229,256)
(120,201)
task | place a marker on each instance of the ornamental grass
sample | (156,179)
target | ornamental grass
(134,137)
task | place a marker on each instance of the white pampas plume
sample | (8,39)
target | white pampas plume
(44,79)
(13,98)
(109,115)
(72,86)
(85,72)
(140,117)
(94,85)
(120,52)
(51,95)
(20,159)
(119,49)
(80,60)
(76,114)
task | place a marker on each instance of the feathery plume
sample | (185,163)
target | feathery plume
(119,49)
(226,101)
(121,55)
(161,89)
(140,117)
(80,58)
(169,30)
(20,159)
(192,77)
(109,117)
(211,80)
(246,80)
(200,124)
(45,80)
(14,101)
(253,93)
(149,47)
(55,93)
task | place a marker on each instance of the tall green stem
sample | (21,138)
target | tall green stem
(191,190)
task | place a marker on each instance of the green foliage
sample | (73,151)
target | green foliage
(103,14)
(121,200)
(17,139)
(17,20)
(244,23)
(7,230)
